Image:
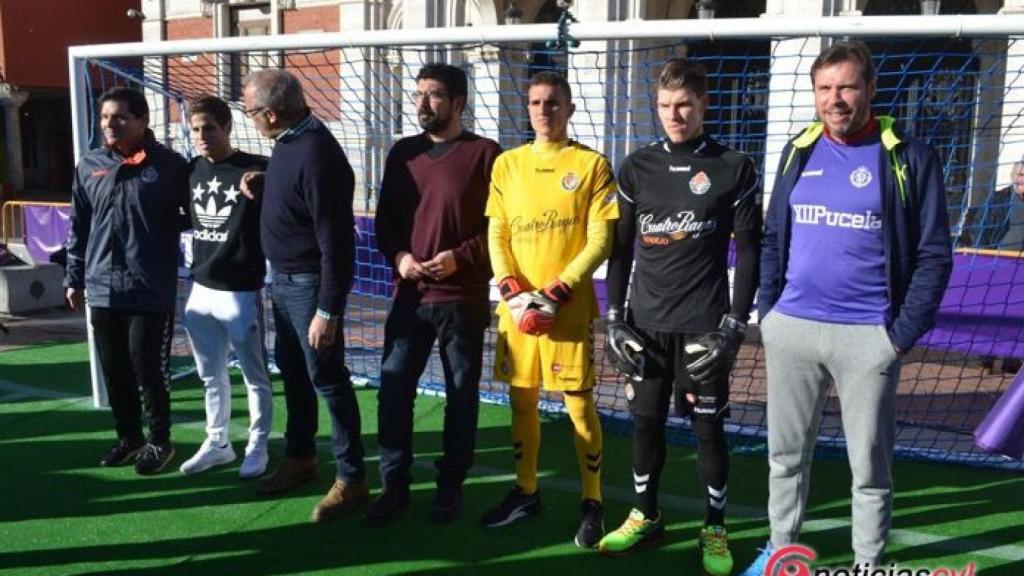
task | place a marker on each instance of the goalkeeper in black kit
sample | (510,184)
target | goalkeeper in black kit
(681,198)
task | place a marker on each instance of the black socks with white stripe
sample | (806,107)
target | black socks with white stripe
(649,459)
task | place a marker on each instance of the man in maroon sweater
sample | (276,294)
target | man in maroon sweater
(431,227)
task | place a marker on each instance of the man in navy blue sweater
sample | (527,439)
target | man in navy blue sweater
(307,230)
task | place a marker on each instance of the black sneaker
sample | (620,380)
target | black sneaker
(153,458)
(388,506)
(513,507)
(446,505)
(121,453)
(591,524)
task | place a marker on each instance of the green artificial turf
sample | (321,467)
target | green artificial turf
(63,514)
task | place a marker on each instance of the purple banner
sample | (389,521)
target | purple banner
(982,312)
(1002,431)
(46,230)
(983,309)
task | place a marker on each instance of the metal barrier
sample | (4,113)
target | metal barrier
(12,219)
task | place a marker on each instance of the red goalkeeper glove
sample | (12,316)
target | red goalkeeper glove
(558,292)
(539,317)
(514,296)
(532,312)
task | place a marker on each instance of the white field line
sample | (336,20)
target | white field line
(23,391)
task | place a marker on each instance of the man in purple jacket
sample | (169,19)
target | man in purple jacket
(431,227)
(855,262)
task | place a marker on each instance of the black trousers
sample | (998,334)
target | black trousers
(409,336)
(134,350)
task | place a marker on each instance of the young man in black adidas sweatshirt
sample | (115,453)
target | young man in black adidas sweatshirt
(225,307)
(307,232)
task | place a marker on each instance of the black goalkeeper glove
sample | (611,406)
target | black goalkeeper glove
(623,346)
(713,355)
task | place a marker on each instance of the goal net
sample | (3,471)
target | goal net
(955,81)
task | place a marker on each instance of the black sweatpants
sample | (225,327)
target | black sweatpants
(134,350)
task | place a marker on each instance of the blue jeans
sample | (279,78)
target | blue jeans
(409,338)
(307,373)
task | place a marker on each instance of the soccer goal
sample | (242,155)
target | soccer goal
(956,81)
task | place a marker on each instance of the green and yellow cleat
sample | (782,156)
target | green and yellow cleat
(716,559)
(637,530)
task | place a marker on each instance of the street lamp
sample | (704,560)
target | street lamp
(706,9)
(930,7)
(513,15)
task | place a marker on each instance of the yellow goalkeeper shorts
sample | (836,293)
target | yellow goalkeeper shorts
(562,360)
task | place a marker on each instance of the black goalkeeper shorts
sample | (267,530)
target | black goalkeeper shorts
(665,377)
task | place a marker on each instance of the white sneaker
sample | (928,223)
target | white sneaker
(255,463)
(207,457)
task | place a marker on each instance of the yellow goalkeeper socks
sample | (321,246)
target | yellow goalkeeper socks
(525,435)
(589,442)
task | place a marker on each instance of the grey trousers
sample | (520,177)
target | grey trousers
(804,357)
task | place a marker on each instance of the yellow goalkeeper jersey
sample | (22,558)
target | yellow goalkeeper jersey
(546,194)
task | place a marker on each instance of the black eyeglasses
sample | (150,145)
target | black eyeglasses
(250,112)
(433,95)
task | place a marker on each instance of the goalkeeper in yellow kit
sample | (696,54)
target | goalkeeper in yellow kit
(552,209)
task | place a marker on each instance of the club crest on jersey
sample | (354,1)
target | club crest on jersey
(149,175)
(570,182)
(860,177)
(700,184)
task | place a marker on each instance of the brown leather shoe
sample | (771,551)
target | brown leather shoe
(342,499)
(291,473)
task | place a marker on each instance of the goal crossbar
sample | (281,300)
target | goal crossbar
(956,26)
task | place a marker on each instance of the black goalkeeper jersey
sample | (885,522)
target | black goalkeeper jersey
(680,203)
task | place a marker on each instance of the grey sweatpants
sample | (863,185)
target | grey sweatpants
(803,358)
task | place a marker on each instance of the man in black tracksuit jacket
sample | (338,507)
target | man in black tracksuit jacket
(128,205)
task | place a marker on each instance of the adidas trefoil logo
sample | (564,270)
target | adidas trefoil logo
(211,216)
